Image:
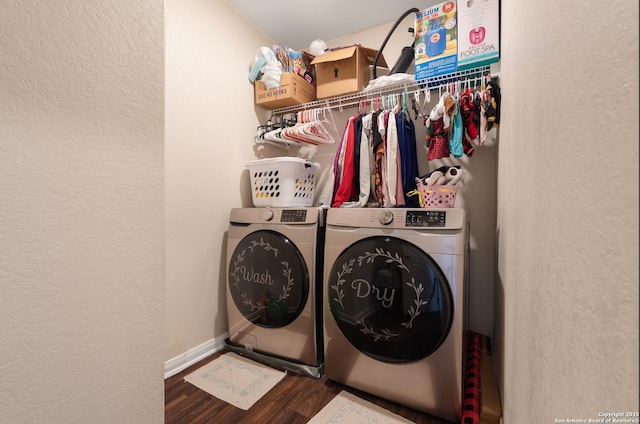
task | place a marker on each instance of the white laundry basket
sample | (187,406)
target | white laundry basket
(282,182)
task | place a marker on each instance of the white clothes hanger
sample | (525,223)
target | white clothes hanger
(309,129)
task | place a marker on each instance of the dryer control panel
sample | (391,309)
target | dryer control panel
(413,219)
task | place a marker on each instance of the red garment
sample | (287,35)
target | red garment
(347,188)
(467,146)
(468,114)
(438,144)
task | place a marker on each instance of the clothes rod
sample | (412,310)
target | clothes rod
(349,100)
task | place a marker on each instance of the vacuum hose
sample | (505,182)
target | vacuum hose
(407,52)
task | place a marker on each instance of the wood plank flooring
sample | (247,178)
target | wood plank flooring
(294,400)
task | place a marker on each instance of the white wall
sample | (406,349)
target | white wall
(567,287)
(81,256)
(210,125)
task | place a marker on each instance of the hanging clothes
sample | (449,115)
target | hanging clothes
(467,146)
(436,139)
(357,134)
(483,125)
(363,165)
(408,156)
(338,162)
(481,118)
(450,105)
(345,186)
(455,130)
(476,103)
(493,109)
(468,114)
(380,161)
(438,144)
(376,162)
(386,200)
(392,158)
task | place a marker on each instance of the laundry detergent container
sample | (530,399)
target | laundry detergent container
(282,182)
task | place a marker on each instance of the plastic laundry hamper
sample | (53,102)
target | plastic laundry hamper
(282,182)
(437,196)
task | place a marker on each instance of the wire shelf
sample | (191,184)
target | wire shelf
(473,74)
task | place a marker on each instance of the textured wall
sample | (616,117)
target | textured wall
(567,290)
(81,255)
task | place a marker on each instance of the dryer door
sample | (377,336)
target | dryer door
(268,279)
(390,299)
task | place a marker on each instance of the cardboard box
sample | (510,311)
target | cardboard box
(490,409)
(478,33)
(436,43)
(294,90)
(344,71)
(485,345)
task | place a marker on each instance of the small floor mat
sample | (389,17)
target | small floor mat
(235,379)
(348,408)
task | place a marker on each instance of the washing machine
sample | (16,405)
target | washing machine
(274,287)
(395,304)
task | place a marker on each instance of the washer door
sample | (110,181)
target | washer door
(268,279)
(390,299)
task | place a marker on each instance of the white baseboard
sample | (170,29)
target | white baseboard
(180,362)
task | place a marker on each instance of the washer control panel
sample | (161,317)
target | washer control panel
(385,217)
(427,218)
(293,215)
(268,215)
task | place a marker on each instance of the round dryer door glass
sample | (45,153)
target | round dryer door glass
(268,279)
(390,299)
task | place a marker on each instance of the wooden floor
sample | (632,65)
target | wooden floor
(294,400)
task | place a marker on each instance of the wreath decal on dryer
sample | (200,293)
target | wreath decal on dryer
(368,258)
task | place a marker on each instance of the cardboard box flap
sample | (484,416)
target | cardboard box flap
(347,53)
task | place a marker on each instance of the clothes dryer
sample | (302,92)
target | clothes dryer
(274,287)
(395,309)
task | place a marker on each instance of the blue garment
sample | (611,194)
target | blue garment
(408,157)
(357,133)
(455,142)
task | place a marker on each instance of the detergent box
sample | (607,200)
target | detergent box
(436,43)
(478,33)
